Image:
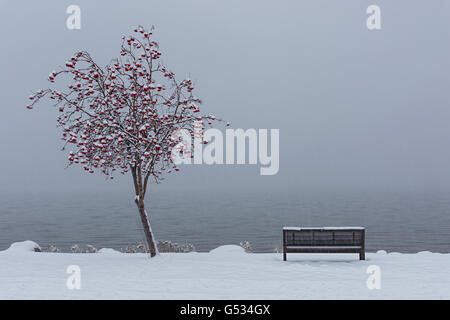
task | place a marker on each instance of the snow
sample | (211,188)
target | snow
(228,249)
(108,251)
(24,246)
(226,272)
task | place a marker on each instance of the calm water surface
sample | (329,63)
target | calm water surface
(402,221)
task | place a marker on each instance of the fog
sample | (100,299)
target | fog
(355,108)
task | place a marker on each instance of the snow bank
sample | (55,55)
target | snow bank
(24,246)
(228,250)
(226,272)
(108,251)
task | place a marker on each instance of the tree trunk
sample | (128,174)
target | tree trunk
(147,229)
(141,188)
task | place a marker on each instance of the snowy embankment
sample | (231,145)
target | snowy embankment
(224,273)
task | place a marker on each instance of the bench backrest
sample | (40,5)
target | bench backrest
(323,236)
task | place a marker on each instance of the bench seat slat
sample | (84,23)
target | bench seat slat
(324,247)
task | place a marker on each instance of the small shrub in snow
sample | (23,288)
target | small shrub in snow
(76,249)
(247,246)
(91,249)
(129,249)
(277,249)
(168,246)
(141,248)
(163,246)
(51,248)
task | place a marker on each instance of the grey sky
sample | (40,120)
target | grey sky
(355,108)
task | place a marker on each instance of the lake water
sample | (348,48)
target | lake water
(401,221)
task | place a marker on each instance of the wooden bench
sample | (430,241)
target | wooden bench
(324,240)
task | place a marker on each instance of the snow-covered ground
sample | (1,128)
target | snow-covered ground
(224,273)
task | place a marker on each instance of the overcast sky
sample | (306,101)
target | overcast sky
(355,108)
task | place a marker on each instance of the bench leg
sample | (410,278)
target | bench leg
(362,256)
(284,255)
